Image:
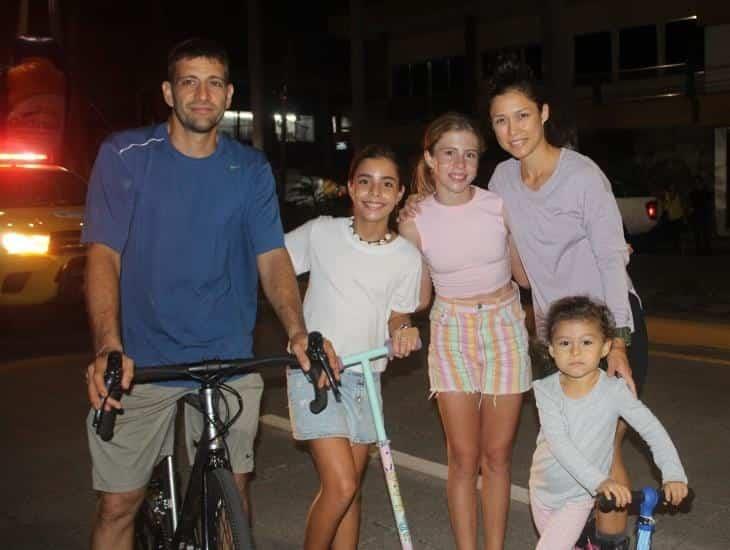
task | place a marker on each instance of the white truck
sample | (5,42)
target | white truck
(640,210)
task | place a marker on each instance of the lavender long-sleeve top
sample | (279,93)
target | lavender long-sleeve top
(569,235)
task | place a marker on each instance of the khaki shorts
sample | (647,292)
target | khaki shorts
(145,433)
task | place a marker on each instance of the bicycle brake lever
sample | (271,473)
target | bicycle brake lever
(316,343)
(319,363)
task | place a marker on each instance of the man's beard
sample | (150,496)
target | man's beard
(199,126)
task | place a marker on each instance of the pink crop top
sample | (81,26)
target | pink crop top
(465,246)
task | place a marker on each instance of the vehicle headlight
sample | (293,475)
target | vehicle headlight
(25,243)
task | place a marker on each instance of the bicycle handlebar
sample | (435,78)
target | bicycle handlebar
(638,498)
(213,369)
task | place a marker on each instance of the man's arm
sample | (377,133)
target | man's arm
(102,303)
(279,284)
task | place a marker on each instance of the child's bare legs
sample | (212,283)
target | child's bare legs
(460,418)
(340,466)
(498,427)
(614,523)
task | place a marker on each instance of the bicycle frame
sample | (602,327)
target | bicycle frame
(210,454)
(386,457)
(645,523)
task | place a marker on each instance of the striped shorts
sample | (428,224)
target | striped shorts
(479,348)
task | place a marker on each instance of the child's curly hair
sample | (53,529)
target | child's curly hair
(571,308)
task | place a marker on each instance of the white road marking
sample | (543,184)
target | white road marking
(404,460)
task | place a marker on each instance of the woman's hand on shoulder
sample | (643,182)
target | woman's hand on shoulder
(408,230)
(411,208)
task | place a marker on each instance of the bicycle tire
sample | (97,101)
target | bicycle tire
(152,525)
(227,524)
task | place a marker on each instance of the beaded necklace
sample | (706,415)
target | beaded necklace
(385,240)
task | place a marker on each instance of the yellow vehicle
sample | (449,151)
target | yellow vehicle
(41,216)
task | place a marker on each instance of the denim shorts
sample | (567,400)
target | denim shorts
(351,418)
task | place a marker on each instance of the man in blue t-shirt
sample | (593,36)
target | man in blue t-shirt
(181,223)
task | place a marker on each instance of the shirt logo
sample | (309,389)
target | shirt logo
(234,167)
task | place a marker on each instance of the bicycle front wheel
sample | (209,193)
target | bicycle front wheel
(228,527)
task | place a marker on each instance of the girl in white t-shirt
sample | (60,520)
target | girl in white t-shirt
(364,280)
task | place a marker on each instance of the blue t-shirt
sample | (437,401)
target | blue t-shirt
(188,231)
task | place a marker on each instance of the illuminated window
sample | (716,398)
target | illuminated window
(298,127)
(238,125)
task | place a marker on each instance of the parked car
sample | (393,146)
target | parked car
(41,216)
(640,210)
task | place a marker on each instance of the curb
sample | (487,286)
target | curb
(678,332)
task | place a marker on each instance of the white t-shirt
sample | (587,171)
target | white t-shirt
(353,286)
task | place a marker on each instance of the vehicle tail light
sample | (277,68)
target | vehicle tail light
(652,210)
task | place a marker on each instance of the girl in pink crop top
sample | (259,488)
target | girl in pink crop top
(465,245)
(479,343)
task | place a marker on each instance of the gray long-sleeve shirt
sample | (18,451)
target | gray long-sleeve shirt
(575,443)
(569,235)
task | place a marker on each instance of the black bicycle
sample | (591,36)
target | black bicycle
(211,516)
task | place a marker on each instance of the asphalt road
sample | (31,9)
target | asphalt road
(48,499)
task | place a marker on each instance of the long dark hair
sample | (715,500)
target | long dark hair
(423,181)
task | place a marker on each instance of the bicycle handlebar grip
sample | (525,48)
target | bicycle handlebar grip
(314,347)
(637,498)
(319,403)
(113,384)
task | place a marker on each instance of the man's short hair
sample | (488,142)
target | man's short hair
(196,47)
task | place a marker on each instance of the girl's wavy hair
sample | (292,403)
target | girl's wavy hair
(423,181)
(378,151)
(572,308)
(512,75)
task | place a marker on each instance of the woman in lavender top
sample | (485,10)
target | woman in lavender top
(568,231)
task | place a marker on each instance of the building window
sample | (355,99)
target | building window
(401,81)
(419,79)
(299,128)
(593,58)
(238,125)
(685,43)
(428,78)
(457,72)
(440,77)
(637,51)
